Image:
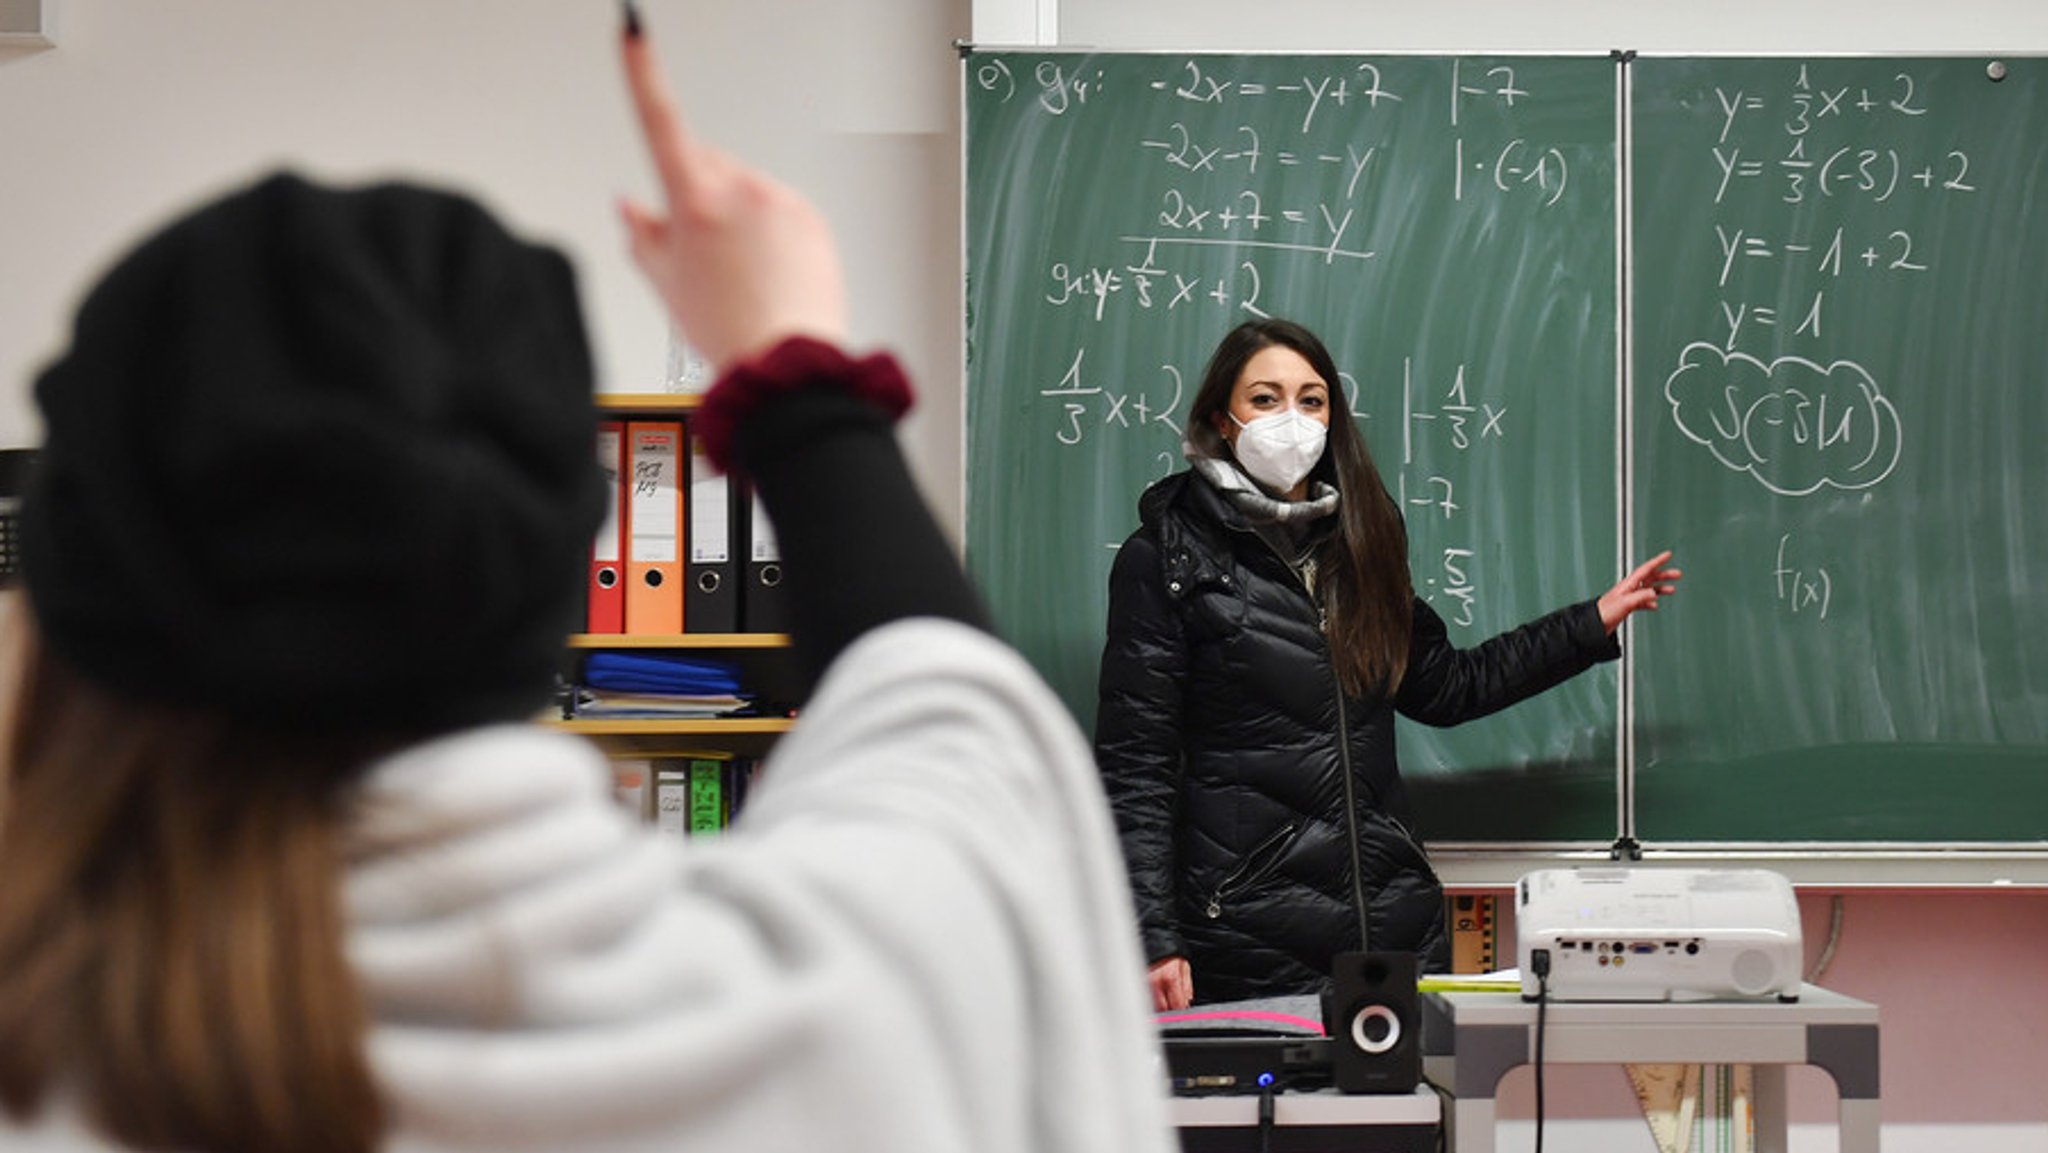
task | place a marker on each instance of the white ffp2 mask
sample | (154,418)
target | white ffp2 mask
(1280,448)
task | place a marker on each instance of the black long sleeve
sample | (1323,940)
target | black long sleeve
(859,545)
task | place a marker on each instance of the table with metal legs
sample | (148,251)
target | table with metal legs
(1470,1040)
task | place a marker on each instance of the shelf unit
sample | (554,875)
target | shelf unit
(762,656)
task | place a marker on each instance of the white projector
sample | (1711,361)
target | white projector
(1646,934)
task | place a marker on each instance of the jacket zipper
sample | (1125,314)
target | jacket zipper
(1351,830)
(1350,802)
(1245,874)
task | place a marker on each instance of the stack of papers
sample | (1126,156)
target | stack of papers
(1498,981)
(644,685)
(594,704)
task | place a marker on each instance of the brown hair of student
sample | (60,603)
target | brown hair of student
(171,925)
(1362,570)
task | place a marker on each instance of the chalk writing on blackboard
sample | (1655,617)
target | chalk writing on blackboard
(1464,425)
(1800,424)
(1085,406)
(1794,425)
(1835,267)
(1803,590)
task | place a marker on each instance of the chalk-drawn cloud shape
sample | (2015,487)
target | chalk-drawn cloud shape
(1793,424)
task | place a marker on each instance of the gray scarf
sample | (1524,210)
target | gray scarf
(1284,524)
(1244,493)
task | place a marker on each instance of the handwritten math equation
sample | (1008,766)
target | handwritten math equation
(1060,87)
(1437,424)
(1302,183)
(1807,168)
(1324,108)
(1823,190)
(1457,424)
(1802,587)
(1237,188)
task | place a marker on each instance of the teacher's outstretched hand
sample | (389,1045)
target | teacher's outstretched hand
(1641,589)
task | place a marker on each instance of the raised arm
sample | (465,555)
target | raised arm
(751,277)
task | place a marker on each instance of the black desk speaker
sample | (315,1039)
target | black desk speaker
(1375,1025)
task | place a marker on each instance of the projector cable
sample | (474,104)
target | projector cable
(1539,963)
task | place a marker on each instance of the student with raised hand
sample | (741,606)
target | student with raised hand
(1263,633)
(287,869)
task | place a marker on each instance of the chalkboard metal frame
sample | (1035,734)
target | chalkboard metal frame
(1795,118)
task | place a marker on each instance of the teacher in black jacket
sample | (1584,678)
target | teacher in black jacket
(1263,632)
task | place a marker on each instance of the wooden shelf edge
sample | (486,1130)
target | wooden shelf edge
(647,401)
(648,726)
(679,641)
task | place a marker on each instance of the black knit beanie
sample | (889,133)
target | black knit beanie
(320,458)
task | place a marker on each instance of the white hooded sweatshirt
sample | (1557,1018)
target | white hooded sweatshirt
(915,938)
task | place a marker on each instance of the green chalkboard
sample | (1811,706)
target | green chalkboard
(1448,225)
(1839,404)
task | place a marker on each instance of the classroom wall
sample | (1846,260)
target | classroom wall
(1731,26)
(142,107)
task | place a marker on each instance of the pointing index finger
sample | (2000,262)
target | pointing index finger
(660,122)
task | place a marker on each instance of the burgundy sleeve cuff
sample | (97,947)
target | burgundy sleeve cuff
(796,364)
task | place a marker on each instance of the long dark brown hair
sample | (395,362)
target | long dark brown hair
(171,926)
(1362,570)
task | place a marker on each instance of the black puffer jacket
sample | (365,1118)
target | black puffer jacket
(1231,756)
